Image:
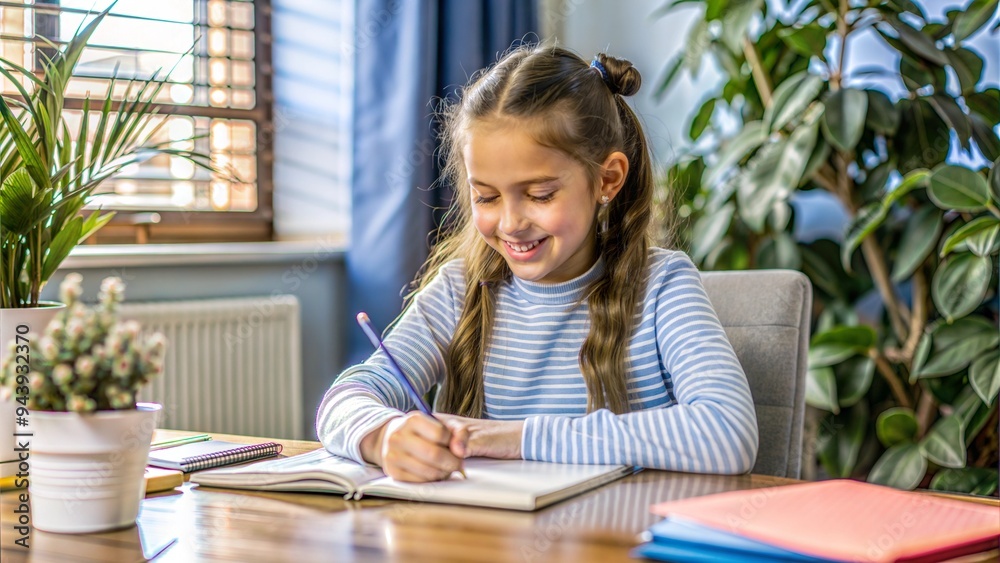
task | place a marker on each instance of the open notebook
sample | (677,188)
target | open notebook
(511,484)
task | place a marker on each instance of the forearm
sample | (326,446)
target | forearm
(495,439)
(699,438)
(348,415)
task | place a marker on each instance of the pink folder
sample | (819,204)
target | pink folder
(847,520)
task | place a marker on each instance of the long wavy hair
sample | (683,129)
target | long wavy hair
(570,106)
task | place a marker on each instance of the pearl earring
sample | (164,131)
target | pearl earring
(605,199)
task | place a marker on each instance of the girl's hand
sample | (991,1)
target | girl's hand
(498,439)
(415,448)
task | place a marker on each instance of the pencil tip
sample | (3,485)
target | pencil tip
(362,317)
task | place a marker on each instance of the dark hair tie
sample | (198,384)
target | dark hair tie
(596,64)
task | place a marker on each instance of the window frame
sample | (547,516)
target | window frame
(165,226)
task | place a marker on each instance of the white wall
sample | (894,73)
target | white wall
(629,30)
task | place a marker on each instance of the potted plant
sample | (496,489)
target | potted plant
(77,385)
(47,175)
(904,369)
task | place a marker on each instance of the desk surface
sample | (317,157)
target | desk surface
(192,524)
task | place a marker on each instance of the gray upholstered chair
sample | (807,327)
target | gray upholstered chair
(766,315)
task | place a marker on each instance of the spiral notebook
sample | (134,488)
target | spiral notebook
(213,453)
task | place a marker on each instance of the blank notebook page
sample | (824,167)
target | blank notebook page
(843,519)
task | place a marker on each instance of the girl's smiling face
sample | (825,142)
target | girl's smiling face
(533,204)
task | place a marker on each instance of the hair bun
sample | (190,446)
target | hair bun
(623,78)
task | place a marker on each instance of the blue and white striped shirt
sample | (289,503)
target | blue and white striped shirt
(691,408)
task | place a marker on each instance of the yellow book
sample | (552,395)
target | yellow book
(158,479)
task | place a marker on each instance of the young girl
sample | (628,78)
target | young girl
(555,331)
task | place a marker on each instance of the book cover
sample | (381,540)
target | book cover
(213,453)
(159,479)
(510,484)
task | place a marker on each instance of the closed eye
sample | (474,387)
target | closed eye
(542,198)
(480,200)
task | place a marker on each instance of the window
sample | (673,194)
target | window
(218,92)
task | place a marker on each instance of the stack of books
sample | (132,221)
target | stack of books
(826,521)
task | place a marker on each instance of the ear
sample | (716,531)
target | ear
(612,175)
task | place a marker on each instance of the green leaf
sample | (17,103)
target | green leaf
(901,466)
(791,98)
(861,337)
(61,245)
(968,480)
(953,346)
(944,443)
(819,156)
(709,230)
(970,410)
(868,219)
(669,75)
(697,41)
(854,379)
(735,20)
(808,41)
(985,103)
(822,355)
(968,67)
(985,138)
(975,16)
(914,179)
(775,173)
(19,203)
(919,237)
(821,389)
(702,119)
(951,113)
(734,150)
(779,251)
(984,243)
(920,356)
(840,438)
(960,284)
(923,138)
(919,43)
(958,188)
(844,119)
(882,116)
(897,425)
(995,180)
(967,230)
(36,167)
(984,376)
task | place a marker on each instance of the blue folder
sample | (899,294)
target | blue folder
(683,541)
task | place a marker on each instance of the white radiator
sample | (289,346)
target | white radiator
(232,365)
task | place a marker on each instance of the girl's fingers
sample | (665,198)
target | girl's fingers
(429,453)
(459,444)
(430,429)
(403,466)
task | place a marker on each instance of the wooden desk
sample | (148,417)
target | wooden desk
(193,524)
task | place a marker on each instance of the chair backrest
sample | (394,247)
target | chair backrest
(766,315)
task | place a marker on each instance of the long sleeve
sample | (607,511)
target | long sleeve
(367,395)
(709,426)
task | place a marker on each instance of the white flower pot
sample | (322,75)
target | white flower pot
(86,471)
(36,319)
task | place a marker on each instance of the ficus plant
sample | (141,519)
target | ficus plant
(904,366)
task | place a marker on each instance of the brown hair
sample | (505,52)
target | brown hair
(578,111)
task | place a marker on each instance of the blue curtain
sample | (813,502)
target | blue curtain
(408,54)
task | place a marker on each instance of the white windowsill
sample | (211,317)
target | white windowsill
(116,255)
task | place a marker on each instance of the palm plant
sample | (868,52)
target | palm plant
(48,175)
